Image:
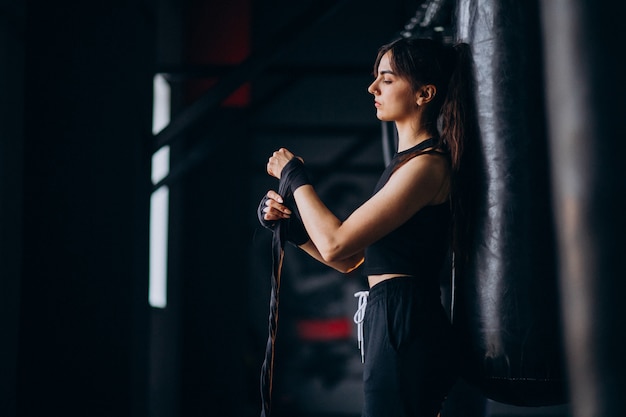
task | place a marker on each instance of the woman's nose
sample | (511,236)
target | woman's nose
(372,88)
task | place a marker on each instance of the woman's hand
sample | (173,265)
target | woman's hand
(277,162)
(274,207)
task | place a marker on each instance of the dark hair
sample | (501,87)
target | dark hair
(449,68)
(451,116)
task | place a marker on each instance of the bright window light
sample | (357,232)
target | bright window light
(161,103)
(160,164)
(159,201)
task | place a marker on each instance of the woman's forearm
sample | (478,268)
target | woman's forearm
(321,224)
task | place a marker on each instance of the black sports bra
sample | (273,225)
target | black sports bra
(419,246)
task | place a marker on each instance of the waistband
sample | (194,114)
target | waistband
(402,285)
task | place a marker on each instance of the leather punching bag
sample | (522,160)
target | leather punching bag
(506,310)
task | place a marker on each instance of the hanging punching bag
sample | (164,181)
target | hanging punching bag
(507,305)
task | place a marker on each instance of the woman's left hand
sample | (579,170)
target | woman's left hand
(277,162)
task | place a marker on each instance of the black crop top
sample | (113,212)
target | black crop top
(420,245)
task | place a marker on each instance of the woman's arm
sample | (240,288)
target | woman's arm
(421,181)
(272,209)
(345,265)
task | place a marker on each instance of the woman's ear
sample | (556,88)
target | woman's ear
(425,94)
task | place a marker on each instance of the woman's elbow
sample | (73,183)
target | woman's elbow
(331,254)
(350,265)
(344,270)
(341,262)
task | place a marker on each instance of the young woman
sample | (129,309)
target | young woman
(403,233)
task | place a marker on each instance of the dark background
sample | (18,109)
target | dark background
(78,337)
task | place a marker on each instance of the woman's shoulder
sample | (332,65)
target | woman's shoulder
(433,161)
(427,174)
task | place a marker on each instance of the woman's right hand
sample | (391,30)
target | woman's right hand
(277,162)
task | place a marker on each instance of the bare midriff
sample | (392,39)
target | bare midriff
(376,279)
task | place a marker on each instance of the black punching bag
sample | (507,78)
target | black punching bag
(507,303)
(586,86)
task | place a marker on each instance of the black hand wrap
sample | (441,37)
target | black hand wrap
(293,175)
(295,231)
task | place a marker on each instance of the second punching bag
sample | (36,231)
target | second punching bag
(507,304)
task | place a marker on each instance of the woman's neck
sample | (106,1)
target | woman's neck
(409,136)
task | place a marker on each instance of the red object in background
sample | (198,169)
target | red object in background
(219,35)
(324,330)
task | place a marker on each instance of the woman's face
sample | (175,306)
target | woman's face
(394,97)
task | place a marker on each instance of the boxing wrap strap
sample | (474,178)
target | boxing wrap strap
(293,176)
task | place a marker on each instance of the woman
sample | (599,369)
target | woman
(403,233)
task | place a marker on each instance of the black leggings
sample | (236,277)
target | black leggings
(409,360)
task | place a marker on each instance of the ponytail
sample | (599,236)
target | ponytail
(457,114)
(459,133)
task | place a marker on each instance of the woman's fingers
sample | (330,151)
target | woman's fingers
(274,214)
(275,210)
(274,196)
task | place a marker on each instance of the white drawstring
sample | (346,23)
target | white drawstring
(358,319)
